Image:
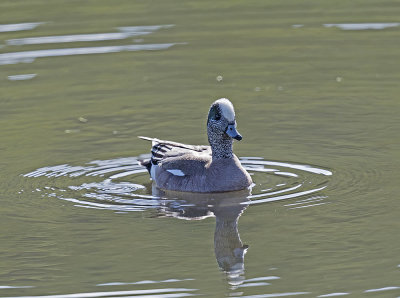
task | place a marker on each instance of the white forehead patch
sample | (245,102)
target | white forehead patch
(226,109)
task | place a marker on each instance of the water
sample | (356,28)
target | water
(315,87)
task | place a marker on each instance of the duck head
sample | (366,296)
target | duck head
(221,123)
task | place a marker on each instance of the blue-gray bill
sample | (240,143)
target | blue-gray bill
(232,132)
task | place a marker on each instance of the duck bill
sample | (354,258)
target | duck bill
(232,132)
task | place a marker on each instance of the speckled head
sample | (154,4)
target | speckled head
(221,126)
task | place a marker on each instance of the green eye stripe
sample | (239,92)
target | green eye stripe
(214,114)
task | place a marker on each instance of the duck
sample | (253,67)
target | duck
(199,168)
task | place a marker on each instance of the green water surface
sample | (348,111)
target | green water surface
(303,92)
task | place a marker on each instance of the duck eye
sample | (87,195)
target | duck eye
(217,116)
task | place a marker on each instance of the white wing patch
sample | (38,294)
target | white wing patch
(176,172)
(227,109)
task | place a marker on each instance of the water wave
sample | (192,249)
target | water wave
(122,185)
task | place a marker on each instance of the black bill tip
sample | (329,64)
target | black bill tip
(238,137)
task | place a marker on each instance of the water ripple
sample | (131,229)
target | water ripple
(277,295)
(363,26)
(19,27)
(15,287)
(126,32)
(68,38)
(382,289)
(122,185)
(22,77)
(333,295)
(143,282)
(30,56)
(167,292)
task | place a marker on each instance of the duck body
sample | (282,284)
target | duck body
(190,168)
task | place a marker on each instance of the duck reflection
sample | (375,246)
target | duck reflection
(227,208)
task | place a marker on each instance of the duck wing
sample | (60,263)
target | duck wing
(162,150)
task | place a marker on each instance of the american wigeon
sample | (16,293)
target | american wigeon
(191,168)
